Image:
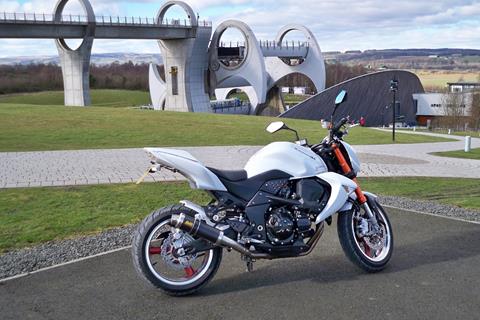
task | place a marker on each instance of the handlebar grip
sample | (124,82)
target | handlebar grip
(339,124)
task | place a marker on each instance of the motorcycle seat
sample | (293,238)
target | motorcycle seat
(230,175)
(238,183)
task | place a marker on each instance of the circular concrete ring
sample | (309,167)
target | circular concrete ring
(191,14)
(296,27)
(90,32)
(246,48)
(247,34)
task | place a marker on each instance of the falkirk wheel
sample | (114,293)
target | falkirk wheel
(203,68)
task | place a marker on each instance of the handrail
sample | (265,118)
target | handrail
(42,18)
(292,45)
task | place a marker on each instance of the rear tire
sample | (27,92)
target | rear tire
(144,266)
(357,249)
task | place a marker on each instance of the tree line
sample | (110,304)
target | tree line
(130,76)
(48,77)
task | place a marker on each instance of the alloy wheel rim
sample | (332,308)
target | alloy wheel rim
(370,254)
(158,267)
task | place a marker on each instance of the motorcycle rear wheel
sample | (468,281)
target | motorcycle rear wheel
(157,265)
(357,248)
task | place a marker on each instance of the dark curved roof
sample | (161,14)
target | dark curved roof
(368,96)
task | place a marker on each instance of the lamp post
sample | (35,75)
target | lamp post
(394,89)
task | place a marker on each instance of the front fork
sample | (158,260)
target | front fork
(362,199)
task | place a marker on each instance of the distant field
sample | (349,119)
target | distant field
(34,128)
(290,99)
(293,99)
(100,98)
(441,78)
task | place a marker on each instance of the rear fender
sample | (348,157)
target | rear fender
(187,165)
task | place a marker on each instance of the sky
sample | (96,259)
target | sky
(338,25)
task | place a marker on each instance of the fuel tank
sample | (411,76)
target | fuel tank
(296,160)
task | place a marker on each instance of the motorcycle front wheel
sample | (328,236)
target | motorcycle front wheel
(370,252)
(156,255)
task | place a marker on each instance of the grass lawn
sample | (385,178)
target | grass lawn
(460,192)
(473,154)
(100,98)
(457,133)
(35,128)
(31,216)
(35,215)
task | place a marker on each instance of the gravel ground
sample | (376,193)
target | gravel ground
(431,207)
(56,252)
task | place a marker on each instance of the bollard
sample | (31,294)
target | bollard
(414,129)
(468,143)
(449,131)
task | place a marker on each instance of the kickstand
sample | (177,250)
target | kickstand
(249,261)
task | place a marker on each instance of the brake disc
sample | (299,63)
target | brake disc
(172,246)
(378,240)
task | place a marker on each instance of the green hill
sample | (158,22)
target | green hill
(31,123)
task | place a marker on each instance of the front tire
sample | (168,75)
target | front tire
(155,262)
(371,254)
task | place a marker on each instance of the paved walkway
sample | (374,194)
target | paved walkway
(433,274)
(58,168)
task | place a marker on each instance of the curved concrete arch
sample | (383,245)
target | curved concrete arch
(76,63)
(312,67)
(188,10)
(158,88)
(251,73)
(223,94)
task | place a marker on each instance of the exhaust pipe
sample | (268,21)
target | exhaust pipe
(197,227)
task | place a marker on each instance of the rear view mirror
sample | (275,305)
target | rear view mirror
(341,98)
(276,126)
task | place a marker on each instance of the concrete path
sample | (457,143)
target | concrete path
(416,160)
(58,168)
(433,274)
(80,167)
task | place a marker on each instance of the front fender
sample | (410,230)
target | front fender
(348,205)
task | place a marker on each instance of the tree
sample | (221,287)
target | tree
(475,110)
(454,110)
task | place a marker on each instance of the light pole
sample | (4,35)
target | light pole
(394,89)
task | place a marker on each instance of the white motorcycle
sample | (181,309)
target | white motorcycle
(275,208)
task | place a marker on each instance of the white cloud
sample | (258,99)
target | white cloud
(337,24)
(9,6)
(72,7)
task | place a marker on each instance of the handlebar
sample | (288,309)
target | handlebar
(339,125)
